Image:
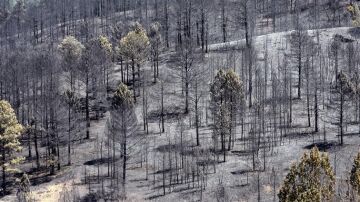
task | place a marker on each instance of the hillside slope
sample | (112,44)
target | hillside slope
(235,174)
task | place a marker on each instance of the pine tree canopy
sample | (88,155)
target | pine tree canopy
(312,179)
(353,9)
(10,131)
(227,87)
(123,96)
(355,174)
(135,44)
(105,45)
(71,49)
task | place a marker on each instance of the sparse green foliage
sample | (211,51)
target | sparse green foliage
(98,51)
(122,125)
(105,44)
(353,9)
(134,47)
(135,44)
(23,184)
(71,68)
(227,88)
(312,179)
(355,174)
(10,131)
(71,50)
(226,95)
(123,96)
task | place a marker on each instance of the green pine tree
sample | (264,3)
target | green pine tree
(122,97)
(10,131)
(135,47)
(354,11)
(71,50)
(122,126)
(135,44)
(355,174)
(312,179)
(226,93)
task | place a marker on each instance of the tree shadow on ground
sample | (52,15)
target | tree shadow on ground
(299,134)
(100,161)
(170,114)
(242,172)
(240,186)
(324,146)
(242,152)
(153,197)
(40,179)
